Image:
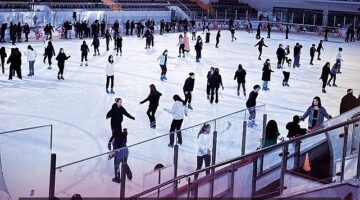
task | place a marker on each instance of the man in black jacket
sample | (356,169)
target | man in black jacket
(280,53)
(297,52)
(312,53)
(348,102)
(188,88)
(250,104)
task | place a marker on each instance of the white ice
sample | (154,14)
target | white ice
(77,107)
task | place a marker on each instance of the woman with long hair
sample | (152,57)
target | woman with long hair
(198,48)
(153,99)
(61,57)
(204,146)
(316,113)
(325,75)
(109,71)
(31,57)
(271,133)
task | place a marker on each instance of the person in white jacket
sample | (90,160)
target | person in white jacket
(109,71)
(339,57)
(31,57)
(204,146)
(162,61)
(178,112)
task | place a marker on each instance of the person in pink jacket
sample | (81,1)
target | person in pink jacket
(187,43)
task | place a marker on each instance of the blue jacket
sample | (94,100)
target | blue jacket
(310,112)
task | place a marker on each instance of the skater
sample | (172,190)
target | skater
(280,53)
(18,32)
(258,32)
(15,63)
(26,30)
(127,27)
(261,43)
(232,31)
(84,53)
(193,32)
(132,27)
(178,112)
(325,75)
(297,53)
(268,30)
(218,35)
(109,71)
(334,70)
(271,134)
(326,31)
(266,75)
(3,55)
(312,54)
(181,46)
(319,48)
(316,114)
(208,87)
(162,61)
(162,26)
(239,76)
(198,48)
(3,30)
(188,89)
(186,43)
(31,57)
(339,58)
(118,45)
(153,99)
(286,58)
(204,146)
(49,53)
(348,32)
(251,105)
(294,129)
(149,38)
(215,83)
(116,114)
(207,36)
(96,44)
(348,102)
(108,38)
(287,32)
(61,58)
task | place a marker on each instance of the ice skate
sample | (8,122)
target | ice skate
(238,93)
(62,78)
(334,85)
(323,90)
(86,64)
(189,106)
(81,64)
(107,91)
(165,77)
(112,91)
(58,77)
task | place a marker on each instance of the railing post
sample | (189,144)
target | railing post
(243,142)
(297,153)
(188,188)
(159,182)
(232,181)
(51,136)
(176,159)
(254,176)
(346,131)
(213,161)
(358,164)
(262,143)
(122,179)
(283,167)
(52,176)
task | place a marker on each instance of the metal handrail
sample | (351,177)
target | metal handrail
(24,129)
(257,153)
(154,138)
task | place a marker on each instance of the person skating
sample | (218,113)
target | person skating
(186,43)
(153,99)
(188,89)
(15,63)
(312,54)
(258,32)
(239,76)
(162,62)
(266,74)
(215,83)
(61,58)
(297,53)
(31,57)
(49,53)
(18,32)
(286,58)
(316,114)
(127,27)
(286,73)
(294,129)
(319,48)
(208,86)
(326,32)
(348,102)
(218,35)
(325,75)
(26,30)
(339,58)
(96,44)
(3,55)
(260,45)
(207,36)
(251,105)
(334,70)
(193,32)
(108,38)
(348,31)
(109,71)
(287,32)
(116,114)
(84,53)
(198,48)
(132,27)
(204,147)
(181,46)
(280,53)
(149,39)
(178,112)
(118,42)
(232,31)
(268,30)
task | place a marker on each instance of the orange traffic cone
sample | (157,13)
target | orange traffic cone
(306,166)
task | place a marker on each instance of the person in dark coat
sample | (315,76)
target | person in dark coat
(61,58)
(294,129)
(319,48)
(3,55)
(258,32)
(118,42)
(132,27)
(149,38)
(312,53)
(325,75)
(188,89)
(208,76)
(18,32)
(287,32)
(84,53)
(266,74)
(316,114)
(198,48)
(116,114)
(2,32)
(240,78)
(108,38)
(215,83)
(297,53)
(26,30)
(153,99)
(232,31)
(280,53)
(260,45)
(218,35)
(96,44)
(49,53)
(348,31)
(251,105)
(271,134)
(15,63)
(268,30)
(326,31)
(102,27)
(348,102)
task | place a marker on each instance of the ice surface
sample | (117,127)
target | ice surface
(77,106)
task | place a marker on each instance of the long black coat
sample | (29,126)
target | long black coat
(189,84)
(215,81)
(251,102)
(325,73)
(348,102)
(116,115)
(15,60)
(61,57)
(240,76)
(49,51)
(266,75)
(153,100)
(280,53)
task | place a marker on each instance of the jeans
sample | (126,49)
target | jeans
(252,112)
(31,68)
(265,85)
(296,61)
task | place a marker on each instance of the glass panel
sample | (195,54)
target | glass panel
(243,179)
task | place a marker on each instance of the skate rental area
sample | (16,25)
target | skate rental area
(180,99)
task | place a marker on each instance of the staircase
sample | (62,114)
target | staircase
(206,7)
(112,5)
